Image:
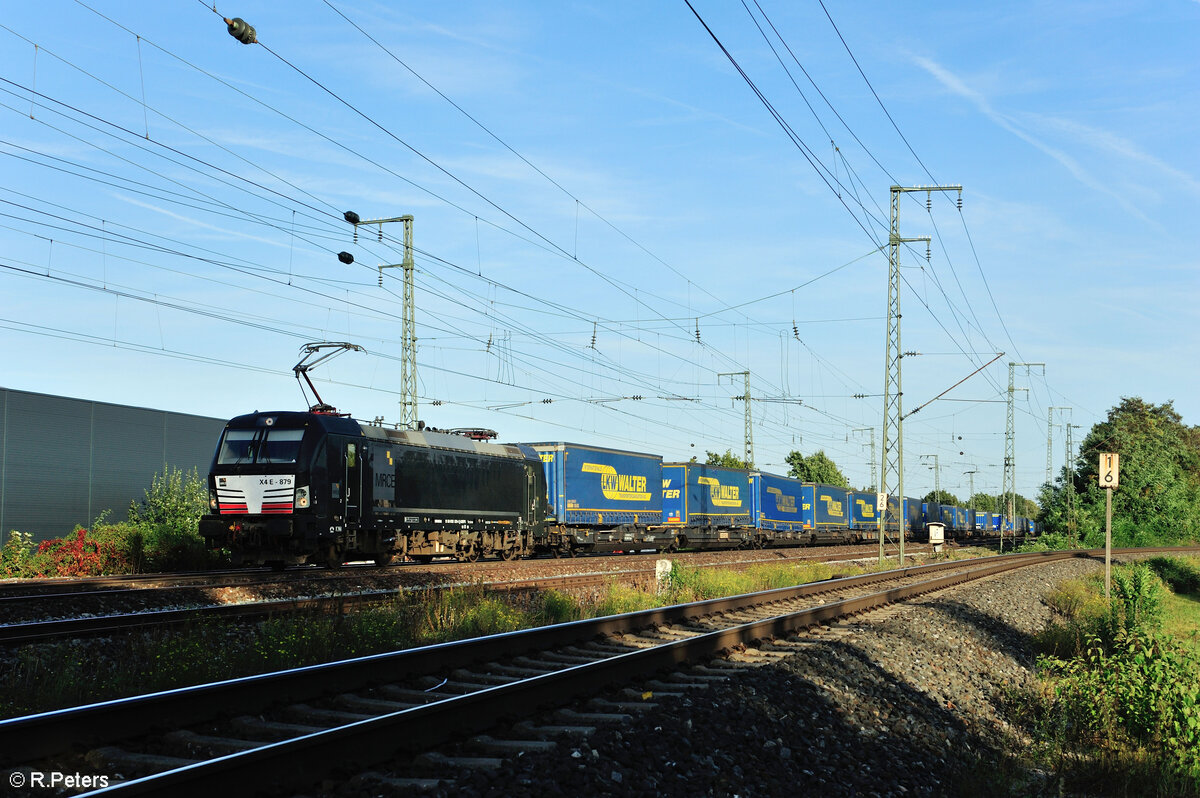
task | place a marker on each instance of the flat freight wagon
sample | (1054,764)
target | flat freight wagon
(864,514)
(601,499)
(779,510)
(708,505)
(831,511)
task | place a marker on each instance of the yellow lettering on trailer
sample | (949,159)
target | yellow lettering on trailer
(832,507)
(618,487)
(784,504)
(721,495)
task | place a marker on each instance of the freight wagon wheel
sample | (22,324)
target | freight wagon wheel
(383,558)
(508,555)
(470,555)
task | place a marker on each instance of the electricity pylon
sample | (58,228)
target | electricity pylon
(745,375)
(1010,451)
(408,333)
(892,474)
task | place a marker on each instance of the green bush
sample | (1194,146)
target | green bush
(16,554)
(1048,541)
(1141,690)
(1119,703)
(1183,575)
(1137,600)
(169,521)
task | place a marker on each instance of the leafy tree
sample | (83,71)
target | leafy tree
(816,467)
(1158,501)
(729,459)
(985,502)
(941,497)
(1022,506)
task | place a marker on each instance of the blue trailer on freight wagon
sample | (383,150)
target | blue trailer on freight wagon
(780,511)
(787,510)
(602,500)
(865,514)
(708,505)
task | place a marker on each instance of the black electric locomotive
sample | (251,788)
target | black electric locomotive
(292,487)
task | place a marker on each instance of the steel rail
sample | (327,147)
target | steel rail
(59,628)
(33,736)
(42,631)
(306,759)
(16,590)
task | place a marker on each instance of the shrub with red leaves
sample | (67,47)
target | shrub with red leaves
(78,555)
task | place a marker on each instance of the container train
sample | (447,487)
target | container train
(313,487)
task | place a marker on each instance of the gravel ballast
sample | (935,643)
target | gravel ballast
(903,702)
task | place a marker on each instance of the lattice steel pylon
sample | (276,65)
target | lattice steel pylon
(745,375)
(1009,491)
(891,478)
(874,462)
(408,333)
(408,353)
(1050,442)
(1069,479)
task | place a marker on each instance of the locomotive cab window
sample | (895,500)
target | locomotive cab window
(237,446)
(280,446)
(260,446)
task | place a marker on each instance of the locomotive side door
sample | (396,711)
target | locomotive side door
(352,460)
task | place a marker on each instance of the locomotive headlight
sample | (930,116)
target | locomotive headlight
(302,497)
(212,500)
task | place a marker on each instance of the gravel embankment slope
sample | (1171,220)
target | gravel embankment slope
(904,704)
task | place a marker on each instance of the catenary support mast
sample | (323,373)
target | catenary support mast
(892,475)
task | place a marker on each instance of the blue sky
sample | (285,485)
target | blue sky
(171,210)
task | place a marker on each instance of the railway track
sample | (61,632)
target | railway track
(16,591)
(43,631)
(40,617)
(289,729)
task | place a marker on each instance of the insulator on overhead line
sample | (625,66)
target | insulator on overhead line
(241,30)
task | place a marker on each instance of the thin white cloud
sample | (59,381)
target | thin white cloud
(225,232)
(1102,139)
(957,86)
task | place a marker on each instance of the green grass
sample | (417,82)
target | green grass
(1117,707)
(1183,620)
(54,675)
